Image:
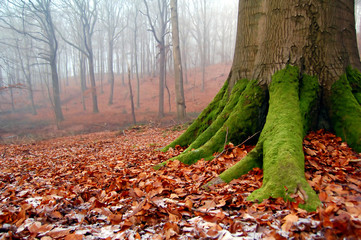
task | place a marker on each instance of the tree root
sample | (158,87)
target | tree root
(204,120)
(279,149)
(241,122)
(345,112)
(292,110)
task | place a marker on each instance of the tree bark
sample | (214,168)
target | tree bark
(178,71)
(92,82)
(82,74)
(302,56)
(131,97)
(56,92)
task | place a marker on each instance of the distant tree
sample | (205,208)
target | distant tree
(86,13)
(134,29)
(131,96)
(201,21)
(111,16)
(35,20)
(178,72)
(158,27)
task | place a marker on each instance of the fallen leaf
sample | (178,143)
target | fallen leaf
(290,219)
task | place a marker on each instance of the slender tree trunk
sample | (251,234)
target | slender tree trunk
(110,69)
(178,72)
(92,83)
(82,74)
(56,91)
(11,79)
(161,79)
(30,87)
(136,61)
(131,97)
(167,88)
(101,68)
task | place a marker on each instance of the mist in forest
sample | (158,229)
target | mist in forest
(68,65)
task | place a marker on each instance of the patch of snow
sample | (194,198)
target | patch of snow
(35,201)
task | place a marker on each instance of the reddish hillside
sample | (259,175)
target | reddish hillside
(23,123)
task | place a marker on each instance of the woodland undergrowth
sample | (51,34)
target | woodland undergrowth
(103,186)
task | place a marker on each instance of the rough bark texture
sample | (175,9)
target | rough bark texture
(299,54)
(317,36)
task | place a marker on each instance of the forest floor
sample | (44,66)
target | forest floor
(102,186)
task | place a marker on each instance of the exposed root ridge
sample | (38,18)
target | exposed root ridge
(345,110)
(236,123)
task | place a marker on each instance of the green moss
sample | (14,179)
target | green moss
(207,116)
(251,160)
(222,117)
(358,97)
(239,125)
(345,113)
(308,95)
(354,79)
(282,135)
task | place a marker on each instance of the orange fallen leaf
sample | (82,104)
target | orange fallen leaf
(73,236)
(290,219)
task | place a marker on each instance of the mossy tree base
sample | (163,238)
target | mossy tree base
(292,109)
(281,140)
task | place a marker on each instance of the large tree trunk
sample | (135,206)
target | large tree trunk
(301,55)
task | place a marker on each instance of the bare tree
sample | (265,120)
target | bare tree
(131,96)
(34,19)
(201,22)
(158,28)
(178,71)
(86,13)
(135,40)
(112,20)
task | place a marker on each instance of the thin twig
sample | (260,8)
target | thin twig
(225,140)
(355,160)
(224,149)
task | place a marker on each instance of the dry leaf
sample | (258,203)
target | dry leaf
(289,221)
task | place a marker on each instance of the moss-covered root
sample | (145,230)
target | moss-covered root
(281,138)
(309,90)
(345,113)
(241,123)
(354,79)
(252,160)
(237,90)
(204,120)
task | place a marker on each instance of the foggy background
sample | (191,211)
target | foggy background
(122,33)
